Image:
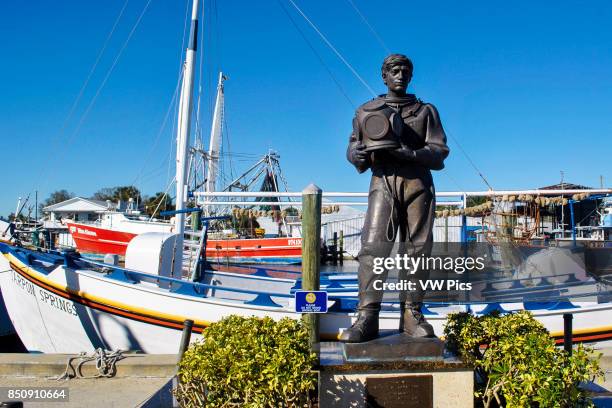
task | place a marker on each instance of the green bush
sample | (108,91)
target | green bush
(248,362)
(517,363)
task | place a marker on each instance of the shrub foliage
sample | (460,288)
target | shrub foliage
(517,363)
(248,362)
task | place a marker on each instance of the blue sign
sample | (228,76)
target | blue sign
(311,301)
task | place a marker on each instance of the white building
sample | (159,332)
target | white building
(77,209)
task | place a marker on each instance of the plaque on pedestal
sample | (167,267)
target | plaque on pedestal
(400,391)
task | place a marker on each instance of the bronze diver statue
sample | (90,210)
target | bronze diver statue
(400,138)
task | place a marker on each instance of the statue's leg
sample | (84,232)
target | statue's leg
(377,238)
(418,199)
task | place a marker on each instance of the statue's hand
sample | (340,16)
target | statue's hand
(359,154)
(403,153)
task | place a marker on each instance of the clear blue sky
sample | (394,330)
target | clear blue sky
(526,87)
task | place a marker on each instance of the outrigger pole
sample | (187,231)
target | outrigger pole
(215,141)
(182,137)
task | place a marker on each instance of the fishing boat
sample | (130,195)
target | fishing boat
(113,233)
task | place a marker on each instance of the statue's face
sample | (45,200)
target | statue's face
(397,78)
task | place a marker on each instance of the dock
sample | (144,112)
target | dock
(141,380)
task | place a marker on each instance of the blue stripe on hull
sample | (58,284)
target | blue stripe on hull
(290,260)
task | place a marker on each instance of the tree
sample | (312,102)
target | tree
(159,199)
(123,193)
(473,201)
(21,218)
(55,197)
(103,194)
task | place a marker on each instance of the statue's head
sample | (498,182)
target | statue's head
(397,73)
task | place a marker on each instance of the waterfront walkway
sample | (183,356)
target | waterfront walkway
(146,380)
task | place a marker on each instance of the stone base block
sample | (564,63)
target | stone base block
(419,382)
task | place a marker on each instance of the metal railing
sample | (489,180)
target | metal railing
(208,198)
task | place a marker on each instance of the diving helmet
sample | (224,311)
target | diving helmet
(380,126)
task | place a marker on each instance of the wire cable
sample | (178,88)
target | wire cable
(367,23)
(159,133)
(382,44)
(334,49)
(93,68)
(62,152)
(75,104)
(331,74)
(470,160)
(110,71)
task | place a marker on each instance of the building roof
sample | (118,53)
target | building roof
(566,186)
(77,204)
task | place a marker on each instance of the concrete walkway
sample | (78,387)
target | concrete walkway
(144,380)
(121,392)
(140,381)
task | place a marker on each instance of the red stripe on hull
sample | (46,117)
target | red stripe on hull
(99,240)
(90,239)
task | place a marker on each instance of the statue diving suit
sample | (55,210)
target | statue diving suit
(404,140)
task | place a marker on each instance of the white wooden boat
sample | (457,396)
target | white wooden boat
(62,304)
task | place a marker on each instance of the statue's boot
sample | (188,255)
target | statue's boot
(365,328)
(413,323)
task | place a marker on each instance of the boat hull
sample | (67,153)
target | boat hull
(68,311)
(90,239)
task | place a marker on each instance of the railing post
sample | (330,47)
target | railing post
(187,327)
(567,332)
(311,253)
(571,207)
(186,336)
(195,220)
(464,235)
(341,247)
(335,252)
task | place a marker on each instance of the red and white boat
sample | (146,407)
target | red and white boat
(112,233)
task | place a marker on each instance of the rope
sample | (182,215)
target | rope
(106,364)
(449,135)
(392,190)
(331,46)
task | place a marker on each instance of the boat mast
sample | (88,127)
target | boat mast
(182,137)
(215,140)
